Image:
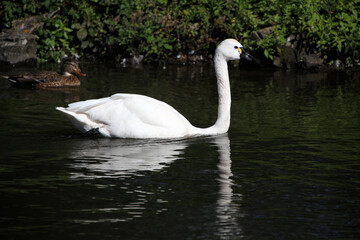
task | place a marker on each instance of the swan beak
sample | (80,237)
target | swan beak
(247,56)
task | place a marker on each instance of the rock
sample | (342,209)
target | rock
(296,52)
(312,61)
(262,33)
(137,59)
(17,47)
(277,62)
(288,56)
(29,24)
(337,63)
(18,44)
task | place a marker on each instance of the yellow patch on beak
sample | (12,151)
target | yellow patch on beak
(239,49)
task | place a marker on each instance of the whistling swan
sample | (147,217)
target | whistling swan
(138,116)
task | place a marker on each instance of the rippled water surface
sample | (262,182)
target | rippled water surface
(289,168)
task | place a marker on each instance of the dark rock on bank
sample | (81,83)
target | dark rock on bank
(297,52)
(18,44)
(17,47)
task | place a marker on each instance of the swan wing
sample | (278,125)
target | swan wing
(128,115)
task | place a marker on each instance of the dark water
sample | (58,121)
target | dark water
(289,168)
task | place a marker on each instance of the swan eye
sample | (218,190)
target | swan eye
(238,48)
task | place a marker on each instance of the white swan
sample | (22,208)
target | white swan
(138,116)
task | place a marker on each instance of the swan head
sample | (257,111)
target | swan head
(231,49)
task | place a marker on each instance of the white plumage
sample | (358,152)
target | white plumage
(138,116)
(128,116)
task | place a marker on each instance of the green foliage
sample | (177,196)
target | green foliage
(164,28)
(55,41)
(9,11)
(331,27)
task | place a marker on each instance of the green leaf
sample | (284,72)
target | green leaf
(76,26)
(167,46)
(82,33)
(92,32)
(339,46)
(84,44)
(266,53)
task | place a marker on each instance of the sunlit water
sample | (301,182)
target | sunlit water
(289,168)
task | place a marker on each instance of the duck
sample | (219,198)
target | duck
(125,115)
(49,79)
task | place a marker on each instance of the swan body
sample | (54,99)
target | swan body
(138,116)
(128,116)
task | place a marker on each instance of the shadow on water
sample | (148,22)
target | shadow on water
(289,168)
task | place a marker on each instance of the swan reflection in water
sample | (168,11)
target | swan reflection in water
(227,210)
(112,157)
(119,157)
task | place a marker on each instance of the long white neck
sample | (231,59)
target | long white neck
(223,120)
(222,75)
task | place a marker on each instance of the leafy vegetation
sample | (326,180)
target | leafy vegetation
(164,28)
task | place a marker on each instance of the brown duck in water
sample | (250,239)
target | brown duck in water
(47,79)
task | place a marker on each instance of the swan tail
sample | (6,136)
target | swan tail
(79,120)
